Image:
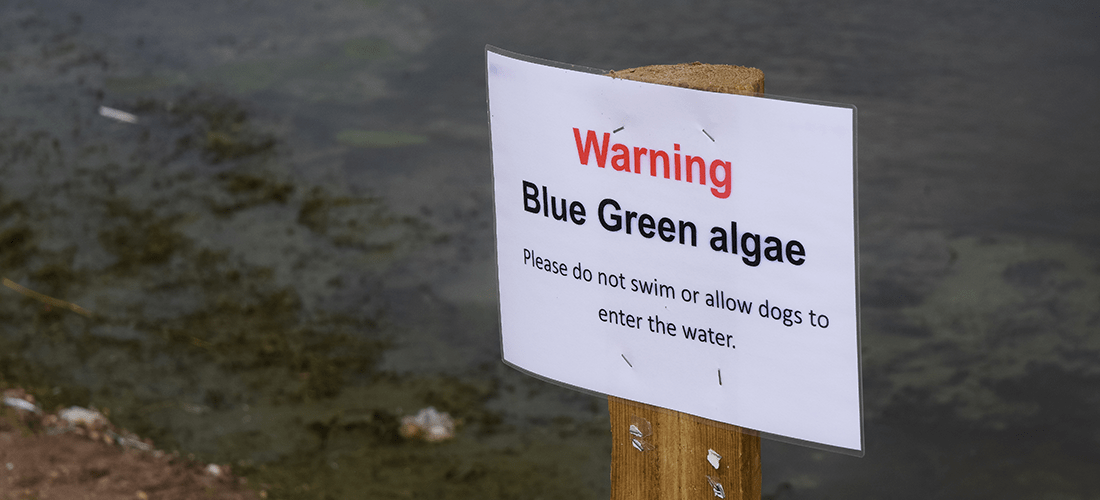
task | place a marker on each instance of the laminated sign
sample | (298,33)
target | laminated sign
(691,250)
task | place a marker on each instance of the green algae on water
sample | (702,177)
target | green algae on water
(223,130)
(137,84)
(367,48)
(378,138)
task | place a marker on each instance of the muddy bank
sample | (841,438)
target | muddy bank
(77,452)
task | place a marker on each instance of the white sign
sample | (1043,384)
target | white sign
(686,249)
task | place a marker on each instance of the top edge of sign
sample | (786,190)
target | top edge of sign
(596,71)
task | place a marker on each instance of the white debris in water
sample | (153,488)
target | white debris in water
(76,415)
(117,114)
(194,409)
(213,470)
(428,424)
(21,404)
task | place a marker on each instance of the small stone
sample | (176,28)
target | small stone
(25,404)
(76,415)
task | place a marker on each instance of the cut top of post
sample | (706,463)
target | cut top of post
(723,78)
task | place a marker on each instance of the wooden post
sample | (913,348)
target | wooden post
(660,454)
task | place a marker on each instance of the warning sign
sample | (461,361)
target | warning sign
(686,249)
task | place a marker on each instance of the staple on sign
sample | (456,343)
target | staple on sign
(708,136)
(641,444)
(617,130)
(640,429)
(627,360)
(714,458)
(719,491)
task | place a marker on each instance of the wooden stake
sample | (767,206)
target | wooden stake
(660,454)
(711,77)
(668,455)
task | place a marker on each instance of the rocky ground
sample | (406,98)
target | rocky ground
(76,453)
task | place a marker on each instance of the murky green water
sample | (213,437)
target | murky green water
(292,247)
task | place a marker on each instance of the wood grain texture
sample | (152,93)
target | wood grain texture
(722,78)
(664,455)
(670,459)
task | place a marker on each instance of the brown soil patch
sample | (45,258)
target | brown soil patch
(43,462)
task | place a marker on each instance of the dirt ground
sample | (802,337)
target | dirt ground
(45,457)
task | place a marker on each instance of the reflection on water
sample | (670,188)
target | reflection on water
(291,248)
